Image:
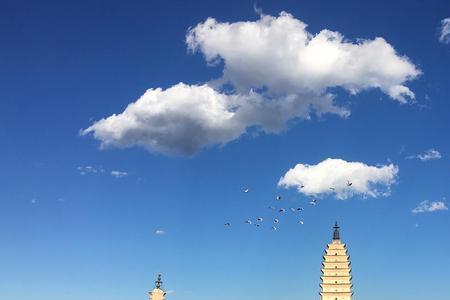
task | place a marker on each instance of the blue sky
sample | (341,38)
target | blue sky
(64,234)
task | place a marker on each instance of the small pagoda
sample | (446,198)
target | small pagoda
(157,293)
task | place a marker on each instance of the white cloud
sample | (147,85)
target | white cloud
(274,71)
(118,174)
(179,120)
(430,154)
(186,118)
(332,176)
(160,232)
(428,206)
(280,55)
(444,37)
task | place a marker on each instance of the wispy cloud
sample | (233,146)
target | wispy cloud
(430,154)
(118,174)
(83,170)
(430,206)
(444,36)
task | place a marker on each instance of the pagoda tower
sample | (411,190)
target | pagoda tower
(157,293)
(336,279)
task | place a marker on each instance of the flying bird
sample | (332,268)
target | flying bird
(227,225)
(349,183)
(302,186)
(246,190)
(282,210)
(332,188)
(274,228)
(278,198)
(313,202)
(259,219)
(276,221)
(248,222)
(301,222)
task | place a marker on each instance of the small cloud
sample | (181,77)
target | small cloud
(160,232)
(118,174)
(341,179)
(428,207)
(83,170)
(430,154)
(444,36)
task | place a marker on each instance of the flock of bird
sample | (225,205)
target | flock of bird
(274,223)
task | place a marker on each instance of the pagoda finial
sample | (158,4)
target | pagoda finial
(336,235)
(158,282)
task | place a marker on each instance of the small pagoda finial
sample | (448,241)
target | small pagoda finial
(336,235)
(158,282)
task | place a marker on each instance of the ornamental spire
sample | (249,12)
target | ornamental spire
(158,282)
(336,235)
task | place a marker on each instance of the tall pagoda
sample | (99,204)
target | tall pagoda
(336,279)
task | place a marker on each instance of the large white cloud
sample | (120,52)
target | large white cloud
(183,119)
(444,36)
(278,72)
(279,54)
(332,176)
(180,120)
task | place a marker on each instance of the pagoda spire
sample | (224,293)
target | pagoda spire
(336,234)
(158,282)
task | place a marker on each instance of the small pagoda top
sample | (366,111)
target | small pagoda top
(158,282)
(336,234)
